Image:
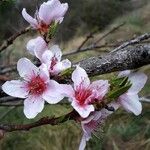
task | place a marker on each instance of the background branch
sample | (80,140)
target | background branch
(134,41)
(109,32)
(10,40)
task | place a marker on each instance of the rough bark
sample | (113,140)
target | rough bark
(127,58)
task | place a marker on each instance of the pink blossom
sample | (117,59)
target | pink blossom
(130,100)
(85,94)
(91,124)
(36,87)
(49,12)
(52,59)
(37,47)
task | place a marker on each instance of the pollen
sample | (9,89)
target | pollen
(36,86)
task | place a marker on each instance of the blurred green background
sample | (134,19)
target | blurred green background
(122,131)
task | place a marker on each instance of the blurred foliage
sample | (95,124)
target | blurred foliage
(86,14)
(100,13)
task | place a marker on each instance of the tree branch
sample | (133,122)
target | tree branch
(109,32)
(89,36)
(73,115)
(128,58)
(134,41)
(10,40)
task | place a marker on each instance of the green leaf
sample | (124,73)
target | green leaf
(116,81)
(67,72)
(52,30)
(124,81)
(116,93)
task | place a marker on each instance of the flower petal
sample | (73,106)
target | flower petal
(83,111)
(82,143)
(131,103)
(15,88)
(67,91)
(33,22)
(54,92)
(101,88)
(26,68)
(52,10)
(37,47)
(138,81)
(61,66)
(79,76)
(44,73)
(47,57)
(124,73)
(33,106)
(56,51)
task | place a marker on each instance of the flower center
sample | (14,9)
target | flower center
(53,62)
(36,86)
(43,28)
(82,95)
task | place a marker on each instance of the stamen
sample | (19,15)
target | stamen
(36,86)
(53,63)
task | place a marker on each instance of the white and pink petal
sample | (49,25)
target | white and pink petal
(83,111)
(54,93)
(55,49)
(138,81)
(80,77)
(47,58)
(33,106)
(37,47)
(131,103)
(100,88)
(33,22)
(61,66)
(15,88)
(52,10)
(26,68)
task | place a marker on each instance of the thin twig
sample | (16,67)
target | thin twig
(134,41)
(89,48)
(145,99)
(109,32)
(89,36)
(10,40)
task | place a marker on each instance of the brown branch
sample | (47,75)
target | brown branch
(128,58)
(89,36)
(10,40)
(4,78)
(43,121)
